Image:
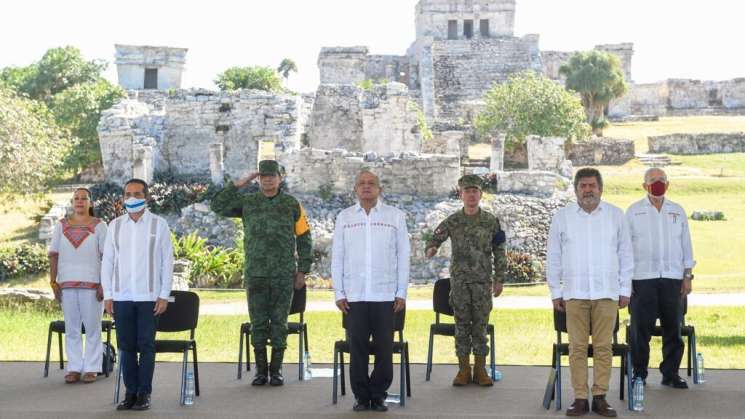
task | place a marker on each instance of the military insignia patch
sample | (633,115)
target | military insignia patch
(499,238)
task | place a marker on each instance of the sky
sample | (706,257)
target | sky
(672,38)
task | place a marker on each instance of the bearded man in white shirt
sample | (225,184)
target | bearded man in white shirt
(370,272)
(589,268)
(136,276)
(663,264)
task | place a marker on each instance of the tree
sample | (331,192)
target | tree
(32,147)
(75,93)
(79,109)
(531,104)
(256,77)
(286,67)
(58,69)
(598,78)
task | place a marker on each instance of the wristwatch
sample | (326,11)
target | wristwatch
(688,277)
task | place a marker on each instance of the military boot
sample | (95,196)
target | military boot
(262,373)
(480,375)
(275,368)
(464,372)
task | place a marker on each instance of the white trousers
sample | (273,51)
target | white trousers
(81,307)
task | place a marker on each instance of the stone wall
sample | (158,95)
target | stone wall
(425,175)
(546,153)
(698,143)
(540,184)
(382,119)
(553,60)
(389,67)
(682,97)
(465,69)
(601,151)
(342,65)
(179,127)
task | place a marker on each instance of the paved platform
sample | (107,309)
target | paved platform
(24,393)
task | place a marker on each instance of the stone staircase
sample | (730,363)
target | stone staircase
(656,160)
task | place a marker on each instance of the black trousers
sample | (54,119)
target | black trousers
(135,333)
(370,319)
(653,299)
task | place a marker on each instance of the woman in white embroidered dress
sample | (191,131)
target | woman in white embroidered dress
(75,274)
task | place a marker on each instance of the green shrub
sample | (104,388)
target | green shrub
(26,259)
(523,268)
(210,265)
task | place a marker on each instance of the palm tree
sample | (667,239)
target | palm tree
(286,67)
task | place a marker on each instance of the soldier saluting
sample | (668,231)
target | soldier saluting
(276,229)
(477,269)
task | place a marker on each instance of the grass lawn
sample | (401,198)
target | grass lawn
(523,337)
(17,224)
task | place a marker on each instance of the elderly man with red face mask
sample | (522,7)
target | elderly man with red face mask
(663,263)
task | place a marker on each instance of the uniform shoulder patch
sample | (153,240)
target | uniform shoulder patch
(499,238)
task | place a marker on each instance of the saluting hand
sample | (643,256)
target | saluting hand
(431,252)
(245,178)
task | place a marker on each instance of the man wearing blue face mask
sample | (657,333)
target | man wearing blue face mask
(663,263)
(136,274)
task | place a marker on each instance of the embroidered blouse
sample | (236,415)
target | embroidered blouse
(79,248)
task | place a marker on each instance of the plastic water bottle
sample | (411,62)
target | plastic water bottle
(497,375)
(307,374)
(189,396)
(700,368)
(638,389)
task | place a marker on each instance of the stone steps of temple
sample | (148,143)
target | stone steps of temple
(657,160)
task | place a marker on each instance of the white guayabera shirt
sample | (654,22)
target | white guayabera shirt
(590,256)
(370,254)
(661,240)
(137,259)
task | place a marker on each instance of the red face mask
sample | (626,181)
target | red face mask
(658,188)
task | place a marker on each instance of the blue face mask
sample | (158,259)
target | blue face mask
(134,205)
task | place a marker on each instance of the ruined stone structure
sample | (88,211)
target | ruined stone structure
(698,143)
(680,97)
(553,60)
(159,131)
(601,151)
(149,67)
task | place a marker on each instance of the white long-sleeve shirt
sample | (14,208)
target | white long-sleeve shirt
(137,259)
(370,254)
(661,240)
(590,256)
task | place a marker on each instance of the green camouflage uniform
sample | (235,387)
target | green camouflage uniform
(275,228)
(477,241)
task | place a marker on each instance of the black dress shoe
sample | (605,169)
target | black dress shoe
(128,402)
(361,405)
(143,402)
(674,382)
(276,380)
(378,405)
(259,380)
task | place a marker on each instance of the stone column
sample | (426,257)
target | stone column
(142,168)
(217,169)
(496,163)
(545,153)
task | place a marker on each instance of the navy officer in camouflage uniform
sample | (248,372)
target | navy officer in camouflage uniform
(276,229)
(477,270)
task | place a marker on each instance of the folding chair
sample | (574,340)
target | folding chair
(400,347)
(181,315)
(299,328)
(686,330)
(58,326)
(441,305)
(553,386)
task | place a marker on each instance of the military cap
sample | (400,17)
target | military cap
(470,181)
(268,167)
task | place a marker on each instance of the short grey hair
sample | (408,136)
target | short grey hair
(649,172)
(364,171)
